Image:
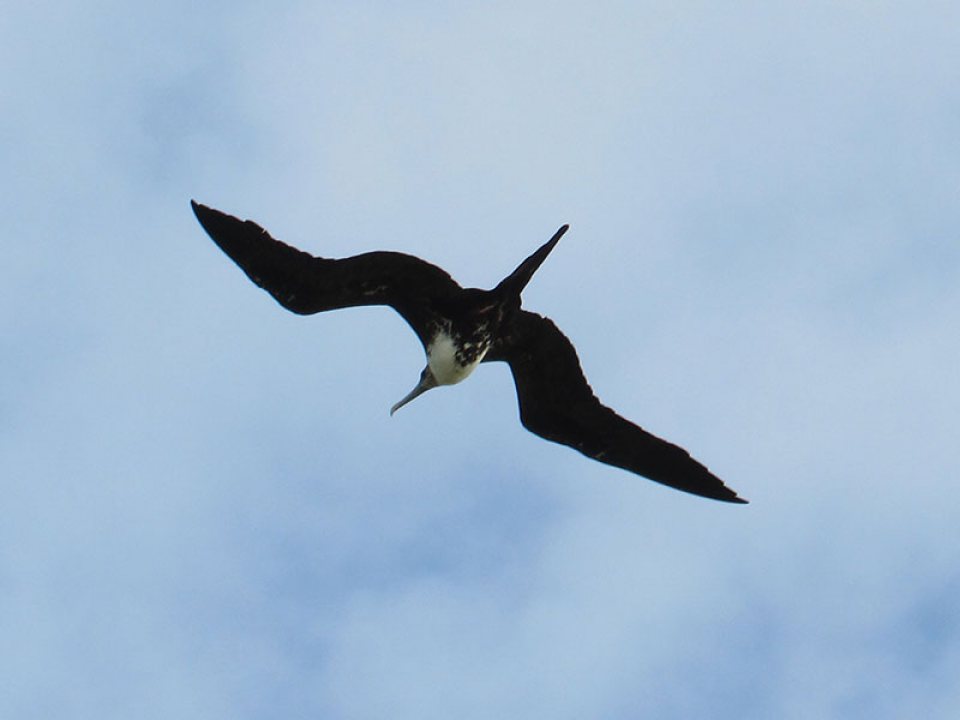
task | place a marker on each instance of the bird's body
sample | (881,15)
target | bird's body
(461,328)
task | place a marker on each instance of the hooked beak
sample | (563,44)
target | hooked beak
(427,382)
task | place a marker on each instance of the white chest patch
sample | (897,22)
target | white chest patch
(442,358)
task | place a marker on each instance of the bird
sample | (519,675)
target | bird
(460,328)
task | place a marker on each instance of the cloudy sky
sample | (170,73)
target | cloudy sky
(208,513)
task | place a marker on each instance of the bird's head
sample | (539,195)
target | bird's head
(427,382)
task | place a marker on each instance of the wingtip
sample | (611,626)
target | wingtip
(730,496)
(204,213)
(725,494)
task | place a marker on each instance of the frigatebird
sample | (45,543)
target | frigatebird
(461,328)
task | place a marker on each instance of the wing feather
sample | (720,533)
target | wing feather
(557,403)
(306,284)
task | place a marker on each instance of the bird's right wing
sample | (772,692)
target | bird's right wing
(306,284)
(557,403)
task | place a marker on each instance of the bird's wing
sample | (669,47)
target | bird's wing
(306,284)
(556,403)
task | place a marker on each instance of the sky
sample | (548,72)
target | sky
(207,511)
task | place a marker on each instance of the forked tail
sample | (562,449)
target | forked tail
(516,281)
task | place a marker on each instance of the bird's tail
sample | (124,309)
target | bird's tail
(516,281)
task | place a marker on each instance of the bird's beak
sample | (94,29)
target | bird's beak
(427,381)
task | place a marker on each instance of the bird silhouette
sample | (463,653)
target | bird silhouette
(461,328)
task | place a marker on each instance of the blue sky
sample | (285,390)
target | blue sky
(207,511)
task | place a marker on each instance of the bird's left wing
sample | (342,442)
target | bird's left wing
(306,284)
(557,403)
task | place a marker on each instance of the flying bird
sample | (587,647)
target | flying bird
(461,328)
